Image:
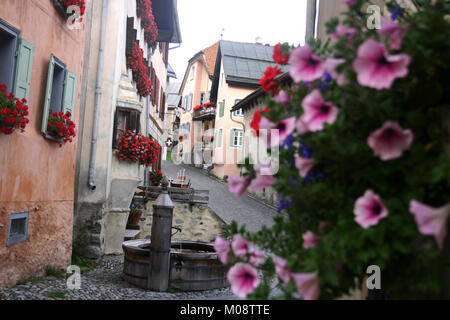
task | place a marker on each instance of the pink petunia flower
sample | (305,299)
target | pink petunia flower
(301,127)
(331,65)
(303,165)
(282,98)
(262,181)
(285,128)
(376,69)
(307,285)
(394,31)
(310,240)
(222,248)
(305,66)
(431,221)
(257,256)
(369,210)
(317,112)
(282,269)
(342,30)
(239,245)
(239,185)
(390,141)
(243,279)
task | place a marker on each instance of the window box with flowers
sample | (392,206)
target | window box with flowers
(13,112)
(148,23)
(60,128)
(141,72)
(133,146)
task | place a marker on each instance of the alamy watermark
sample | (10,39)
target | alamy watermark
(374,279)
(374,19)
(74,20)
(74,281)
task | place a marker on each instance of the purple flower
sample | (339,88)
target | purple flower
(331,65)
(317,112)
(307,285)
(376,69)
(369,210)
(283,203)
(341,31)
(396,11)
(394,31)
(310,240)
(243,279)
(285,128)
(305,66)
(283,98)
(222,248)
(390,141)
(282,269)
(262,181)
(431,221)
(257,256)
(303,165)
(239,245)
(239,185)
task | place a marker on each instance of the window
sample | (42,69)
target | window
(221,79)
(60,91)
(221,108)
(16,56)
(125,119)
(193,73)
(202,98)
(189,102)
(238,113)
(18,228)
(237,137)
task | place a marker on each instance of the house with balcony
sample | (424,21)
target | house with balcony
(42,62)
(238,69)
(121,35)
(197,115)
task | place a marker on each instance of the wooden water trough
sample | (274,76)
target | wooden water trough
(193,265)
(189,195)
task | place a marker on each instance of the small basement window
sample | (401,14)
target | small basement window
(8,47)
(18,228)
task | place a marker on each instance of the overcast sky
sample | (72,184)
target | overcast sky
(202,21)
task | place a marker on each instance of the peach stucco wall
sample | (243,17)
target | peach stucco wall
(37,176)
(226,157)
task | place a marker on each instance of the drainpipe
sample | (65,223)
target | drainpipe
(98,94)
(310,19)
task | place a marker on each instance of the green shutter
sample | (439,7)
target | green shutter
(232,137)
(48,94)
(221,108)
(220,138)
(24,69)
(70,90)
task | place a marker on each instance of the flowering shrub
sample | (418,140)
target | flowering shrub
(155,177)
(364,172)
(148,23)
(133,146)
(13,112)
(60,126)
(136,62)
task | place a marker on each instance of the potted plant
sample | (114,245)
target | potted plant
(155,177)
(136,212)
(60,127)
(13,112)
(133,146)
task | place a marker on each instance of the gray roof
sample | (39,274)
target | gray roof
(246,62)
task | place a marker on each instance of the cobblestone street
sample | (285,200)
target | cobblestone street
(246,211)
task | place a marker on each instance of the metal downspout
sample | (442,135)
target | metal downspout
(98,94)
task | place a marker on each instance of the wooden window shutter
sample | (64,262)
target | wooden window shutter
(48,94)
(221,108)
(232,134)
(70,91)
(24,70)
